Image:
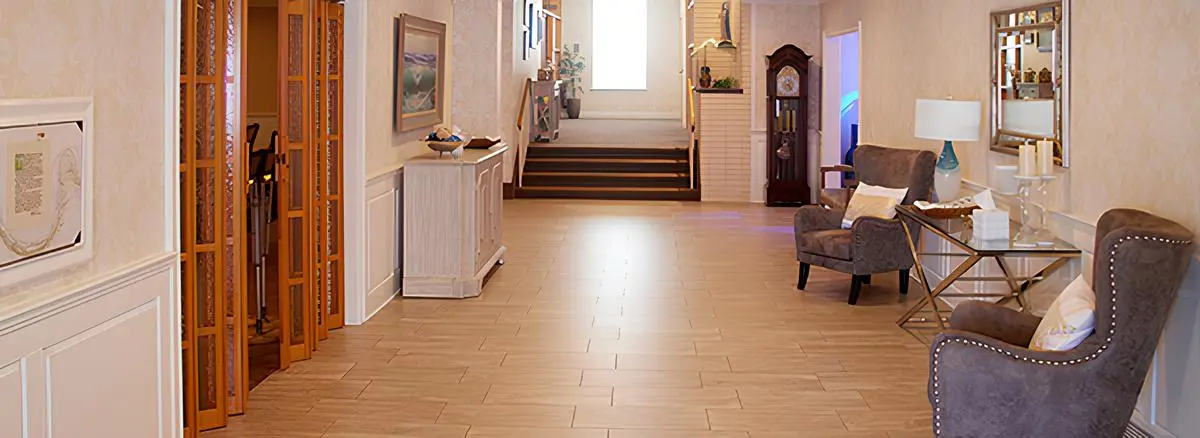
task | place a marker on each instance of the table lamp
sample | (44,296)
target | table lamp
(949,121)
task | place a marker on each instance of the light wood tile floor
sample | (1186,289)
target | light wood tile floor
(619,320)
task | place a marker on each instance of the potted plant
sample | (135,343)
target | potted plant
(571,68)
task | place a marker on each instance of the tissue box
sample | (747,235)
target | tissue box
(990,224)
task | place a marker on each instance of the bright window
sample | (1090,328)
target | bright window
(619,44)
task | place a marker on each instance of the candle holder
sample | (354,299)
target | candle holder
(1043,235)
(1027,234)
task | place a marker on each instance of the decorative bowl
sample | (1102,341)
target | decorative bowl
(446,146)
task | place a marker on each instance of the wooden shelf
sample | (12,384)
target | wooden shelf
(720,90)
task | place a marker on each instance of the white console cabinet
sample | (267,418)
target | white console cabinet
(452,222)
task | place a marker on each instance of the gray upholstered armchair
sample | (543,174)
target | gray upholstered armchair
(871,245)
(984,382)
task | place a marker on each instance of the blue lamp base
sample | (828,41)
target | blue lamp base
(947,177)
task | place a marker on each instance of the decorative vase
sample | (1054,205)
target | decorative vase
(573,107)
(706,79)
(947,177)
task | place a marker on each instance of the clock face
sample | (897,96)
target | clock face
(787,82)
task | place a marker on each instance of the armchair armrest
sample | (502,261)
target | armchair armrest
(979,386)
(879,245)
(995,321)
(840,168)
(811,218)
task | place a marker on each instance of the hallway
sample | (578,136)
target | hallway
(618,320)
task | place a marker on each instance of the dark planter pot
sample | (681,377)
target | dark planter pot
(573,107)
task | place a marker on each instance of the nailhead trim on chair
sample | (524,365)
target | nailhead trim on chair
(1112,328)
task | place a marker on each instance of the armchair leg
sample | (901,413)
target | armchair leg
(802,281)
(904,282)
(856,283)
(866,279)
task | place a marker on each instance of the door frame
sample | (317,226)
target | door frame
(831,134)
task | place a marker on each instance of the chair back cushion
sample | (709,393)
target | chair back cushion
(890,167)
(1140,263)
(1070,319)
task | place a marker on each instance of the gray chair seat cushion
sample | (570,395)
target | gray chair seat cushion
(828,243)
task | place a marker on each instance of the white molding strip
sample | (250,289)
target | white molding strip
(26,307)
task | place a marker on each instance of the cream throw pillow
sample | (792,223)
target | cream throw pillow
(873,201)
(1070,319)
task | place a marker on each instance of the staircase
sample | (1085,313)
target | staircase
(607,172)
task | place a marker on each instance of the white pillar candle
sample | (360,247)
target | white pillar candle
(1027,161)
(1045,157)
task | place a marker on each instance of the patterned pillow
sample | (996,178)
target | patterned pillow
(1070,319)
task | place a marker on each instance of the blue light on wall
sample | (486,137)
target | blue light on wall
(848,99)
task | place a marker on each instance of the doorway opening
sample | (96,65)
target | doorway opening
(262,322)
(841,116)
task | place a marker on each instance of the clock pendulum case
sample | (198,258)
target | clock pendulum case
(787,127)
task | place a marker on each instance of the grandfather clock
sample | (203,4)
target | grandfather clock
(787,127)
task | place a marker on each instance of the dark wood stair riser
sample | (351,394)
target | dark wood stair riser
(614,166)
(602,152)
(605,180)
(614,194)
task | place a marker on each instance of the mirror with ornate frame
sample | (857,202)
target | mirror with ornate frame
(1029,78)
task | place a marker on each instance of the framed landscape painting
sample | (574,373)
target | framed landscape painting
(420,73)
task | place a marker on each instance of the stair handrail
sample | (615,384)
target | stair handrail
(522,140)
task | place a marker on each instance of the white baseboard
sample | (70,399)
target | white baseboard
(637,115)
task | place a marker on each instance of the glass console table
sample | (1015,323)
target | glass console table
(928,313)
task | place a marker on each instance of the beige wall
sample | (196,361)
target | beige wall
(773,26)
(66,48)
(385,149)
(663,95)
(513,72)
(1130,145)
(262,61)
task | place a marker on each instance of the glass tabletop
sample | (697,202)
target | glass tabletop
(959,232)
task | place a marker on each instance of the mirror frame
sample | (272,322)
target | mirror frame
(1062,107)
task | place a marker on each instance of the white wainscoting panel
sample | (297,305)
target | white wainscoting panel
(758,166)
(123,350)
(12,394)
(384,245)
(100,361)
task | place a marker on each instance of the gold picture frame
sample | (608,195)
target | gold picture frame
(419,94)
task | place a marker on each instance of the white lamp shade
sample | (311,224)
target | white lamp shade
(953,120)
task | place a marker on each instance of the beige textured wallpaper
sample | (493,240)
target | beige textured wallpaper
(774,26)
(68,48)
(386,149)
(1134,140)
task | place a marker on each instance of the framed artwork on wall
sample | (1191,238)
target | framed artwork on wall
(45,186)
(420,72)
